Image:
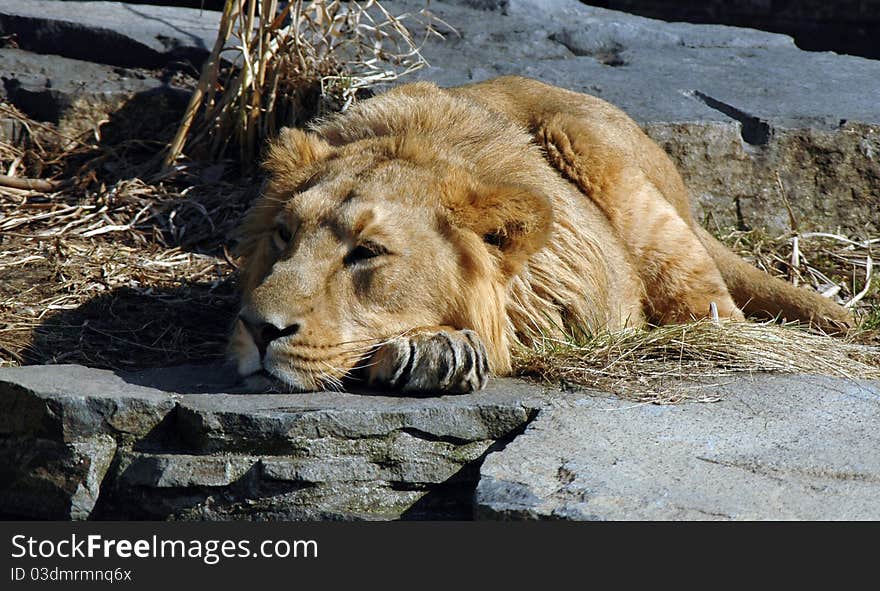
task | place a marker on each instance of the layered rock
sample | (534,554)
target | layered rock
(78,443)
(83,443)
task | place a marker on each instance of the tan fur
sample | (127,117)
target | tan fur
(509,207)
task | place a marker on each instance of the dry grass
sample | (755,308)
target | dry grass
(840,267)
(107,271)
(135,275)
(327,50)
(672,363)
(112,306)
(128,274)
(131,276)
(97,265)
(669,364)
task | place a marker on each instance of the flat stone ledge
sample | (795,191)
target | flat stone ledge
(773,448)
(79,443)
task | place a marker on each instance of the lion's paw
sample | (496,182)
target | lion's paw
(443,361)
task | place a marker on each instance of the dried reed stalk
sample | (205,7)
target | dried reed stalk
(332,47)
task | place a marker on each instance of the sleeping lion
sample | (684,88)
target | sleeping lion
(412,241)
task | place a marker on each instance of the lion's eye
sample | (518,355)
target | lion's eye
(364,252)
(282,236)
(493,239)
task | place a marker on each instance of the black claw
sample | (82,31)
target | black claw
(446,369)
(482,358)
(401,379)
(469,354)
(484,361)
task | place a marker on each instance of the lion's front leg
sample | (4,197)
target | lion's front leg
(441,360)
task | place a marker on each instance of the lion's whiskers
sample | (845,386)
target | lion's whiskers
(329,381)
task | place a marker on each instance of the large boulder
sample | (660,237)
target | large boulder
(79,443)
(81,96)
(846,27)
(80,64)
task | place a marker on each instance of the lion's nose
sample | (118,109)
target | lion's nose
(264,333)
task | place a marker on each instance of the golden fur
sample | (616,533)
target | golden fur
(423,232)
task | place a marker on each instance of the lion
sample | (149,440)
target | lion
(414,240)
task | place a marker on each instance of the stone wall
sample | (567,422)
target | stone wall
(740,111)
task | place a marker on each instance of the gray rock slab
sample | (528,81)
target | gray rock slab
(182,470)
(774,448)
(471,417)
(78,95)
(68,403)
(115,33)
(652,68)
(87,443)
(93,456)
(79,443)
(45,479)
(737,109)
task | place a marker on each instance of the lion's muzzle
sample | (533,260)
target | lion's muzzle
(264,333)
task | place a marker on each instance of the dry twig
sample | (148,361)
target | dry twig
(40,185)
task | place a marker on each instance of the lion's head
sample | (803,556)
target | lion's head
(356,243)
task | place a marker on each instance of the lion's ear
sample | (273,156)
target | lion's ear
(294,149)
(514,219)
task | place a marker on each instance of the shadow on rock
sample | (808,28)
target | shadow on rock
(188,378)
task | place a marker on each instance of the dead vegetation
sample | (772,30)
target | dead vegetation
(100,267)
(669,364)
(839,267)
(109,261)
(296,62)
(131,275)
